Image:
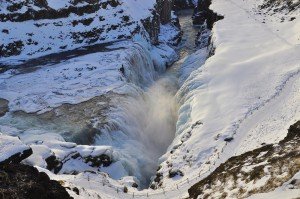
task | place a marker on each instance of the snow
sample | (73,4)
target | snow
(248,90)
(82,78)
(284,191)
(288,194)
(138,9)
(168,32)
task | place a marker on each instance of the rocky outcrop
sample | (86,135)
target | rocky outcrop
(203,14)
(22,181)
(162,14)
(280,5)
(165,8)
(12,150)
(152,26)
(258,171)
(184,4)
(206,18)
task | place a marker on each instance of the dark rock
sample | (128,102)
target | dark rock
(229,139)
(3,107)
(152,26)
(164,9)
(5,31)
(45,12)
(89,133)
(158,177)
(203,14)
(53,164)
(135,185)
(97,161)
(125,189)
(173,173)
(22,181)
(280,5)
(122,70)
(183,4)
(17,158)
(76,190)
(13,48)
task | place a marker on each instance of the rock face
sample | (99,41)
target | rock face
(184,4)
(22,181)
(164,8)
(160,15)
(267,167)
(204,17)
(203,14)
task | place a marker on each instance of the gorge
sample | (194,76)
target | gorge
(128,98)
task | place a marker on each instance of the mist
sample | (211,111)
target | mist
(146,126)
(156,113)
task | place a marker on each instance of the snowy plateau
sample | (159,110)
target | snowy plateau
(149,99)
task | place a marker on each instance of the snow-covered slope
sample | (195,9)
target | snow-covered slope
(261,170)
(31,29)
(246,93)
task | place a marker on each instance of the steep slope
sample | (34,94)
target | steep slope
(244,96)
(258,171)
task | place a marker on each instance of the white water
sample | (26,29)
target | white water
(148,124)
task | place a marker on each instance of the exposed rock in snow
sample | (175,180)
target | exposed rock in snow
(204,15)
(258,171)
(12,150)
(184,4)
